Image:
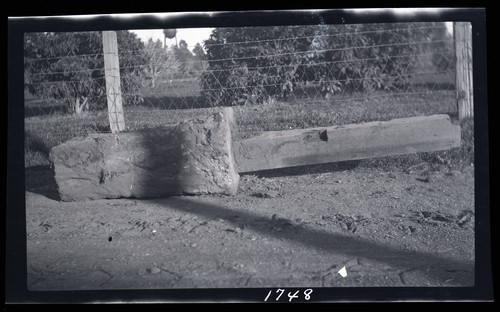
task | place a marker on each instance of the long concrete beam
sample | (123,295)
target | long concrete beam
(279,149)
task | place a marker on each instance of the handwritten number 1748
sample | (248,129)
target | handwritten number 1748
(307,294)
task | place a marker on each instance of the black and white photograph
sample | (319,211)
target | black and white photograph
(289,157)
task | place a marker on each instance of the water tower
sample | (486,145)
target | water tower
(170,33)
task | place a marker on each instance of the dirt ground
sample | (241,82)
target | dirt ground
(388,228)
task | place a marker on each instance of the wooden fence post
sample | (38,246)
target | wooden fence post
(112,76)
(463,52)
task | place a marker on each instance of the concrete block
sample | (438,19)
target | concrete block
(193,157)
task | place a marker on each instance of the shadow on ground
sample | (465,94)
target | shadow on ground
(41,180)
(435,268)
(308,169)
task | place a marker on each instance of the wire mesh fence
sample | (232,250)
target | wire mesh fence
(276,78)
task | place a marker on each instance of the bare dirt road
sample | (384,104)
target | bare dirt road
(388,228)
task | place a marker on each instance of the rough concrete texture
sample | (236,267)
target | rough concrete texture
(280,149)
(194,157)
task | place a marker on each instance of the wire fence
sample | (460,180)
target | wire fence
(276,78)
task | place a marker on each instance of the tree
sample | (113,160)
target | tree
(185,58)
(161,62)
(200,56)
(70,66)
(183,46)
(198,51)
(249,65)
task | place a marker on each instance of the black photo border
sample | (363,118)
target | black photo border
(16,290)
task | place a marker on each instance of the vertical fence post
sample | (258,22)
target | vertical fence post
(112,76)
(463,52)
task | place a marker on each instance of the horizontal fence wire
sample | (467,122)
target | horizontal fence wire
(346,33)
(275,78)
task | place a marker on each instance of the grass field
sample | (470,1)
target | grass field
(302,111)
